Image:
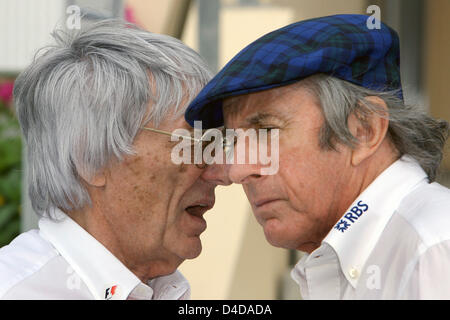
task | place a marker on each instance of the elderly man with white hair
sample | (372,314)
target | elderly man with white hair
(355,187)
(117,215)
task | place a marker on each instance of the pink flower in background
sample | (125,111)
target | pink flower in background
(129,14)
(6,92)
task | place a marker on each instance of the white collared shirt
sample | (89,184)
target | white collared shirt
(392,243)
(63,261)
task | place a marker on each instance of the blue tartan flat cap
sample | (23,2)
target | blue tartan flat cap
(340,45)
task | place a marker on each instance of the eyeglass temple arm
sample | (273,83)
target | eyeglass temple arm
(171,134)
(226,143)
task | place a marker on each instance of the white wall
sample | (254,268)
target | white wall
(25,27)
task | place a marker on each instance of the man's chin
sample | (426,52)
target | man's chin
(276,235)
(273,240)
(192,248)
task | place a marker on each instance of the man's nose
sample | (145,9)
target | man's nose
(243,173)
(217,173)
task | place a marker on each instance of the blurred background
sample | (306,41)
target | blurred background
(236,262)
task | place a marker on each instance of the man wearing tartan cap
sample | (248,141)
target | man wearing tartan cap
(355,189)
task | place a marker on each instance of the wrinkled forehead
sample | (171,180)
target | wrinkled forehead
(251,109)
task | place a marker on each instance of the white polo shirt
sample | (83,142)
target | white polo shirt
(63,261)
(392,243)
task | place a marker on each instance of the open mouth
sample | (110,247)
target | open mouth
(198,210)
(195,212)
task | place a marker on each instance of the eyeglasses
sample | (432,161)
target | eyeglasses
(203,142)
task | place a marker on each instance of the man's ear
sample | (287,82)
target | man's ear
(370,130)
(97,179)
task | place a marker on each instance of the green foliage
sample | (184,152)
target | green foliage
(10,175)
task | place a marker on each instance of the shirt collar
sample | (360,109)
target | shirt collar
(356,233)
(106,276)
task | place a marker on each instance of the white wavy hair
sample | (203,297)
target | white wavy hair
(81,102)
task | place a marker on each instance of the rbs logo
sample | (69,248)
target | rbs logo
(351,216)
